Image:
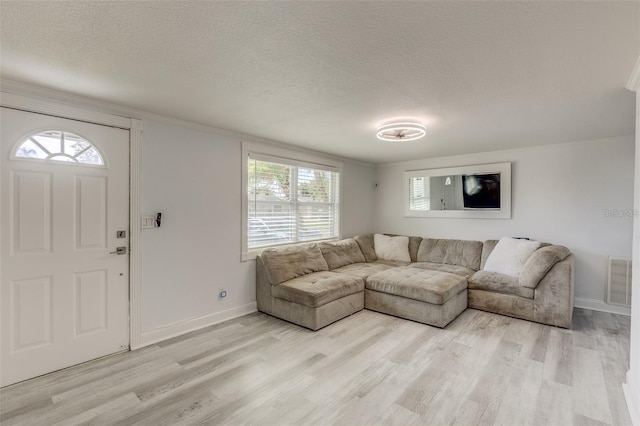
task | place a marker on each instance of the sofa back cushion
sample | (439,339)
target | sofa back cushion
(414,246)
(451,252)
(341,253)
(366,246)
(285,263)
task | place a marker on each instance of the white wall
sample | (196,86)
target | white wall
(632,386)
(559,194)
(193,178)
(358,198)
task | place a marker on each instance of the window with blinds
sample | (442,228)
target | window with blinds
(290,202)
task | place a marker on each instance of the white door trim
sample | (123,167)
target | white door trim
(135,230)
(135,127)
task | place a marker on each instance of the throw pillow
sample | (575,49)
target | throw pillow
(510,255)
(392,248)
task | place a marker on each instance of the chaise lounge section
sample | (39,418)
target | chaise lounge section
(315,284)
(543,293)
(295,284)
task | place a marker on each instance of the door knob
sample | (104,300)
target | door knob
(120,250)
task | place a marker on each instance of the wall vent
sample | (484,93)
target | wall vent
(619,282)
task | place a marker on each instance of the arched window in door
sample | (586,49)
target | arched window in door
(57,145)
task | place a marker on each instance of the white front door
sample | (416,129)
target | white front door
(64,211)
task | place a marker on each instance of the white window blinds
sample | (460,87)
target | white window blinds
(290,202)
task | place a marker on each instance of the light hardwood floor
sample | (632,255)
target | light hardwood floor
(366,369)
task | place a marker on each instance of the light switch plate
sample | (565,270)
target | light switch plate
(148,222)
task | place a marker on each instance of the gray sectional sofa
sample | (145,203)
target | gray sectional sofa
(316,284)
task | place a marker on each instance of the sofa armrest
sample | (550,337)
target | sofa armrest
(264,299)
(540,263)
(553,297)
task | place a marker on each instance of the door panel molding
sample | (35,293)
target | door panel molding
(90,302)
(30,217)
(91,212)
(34,296)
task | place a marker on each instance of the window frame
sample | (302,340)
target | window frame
(49,160)
(505,192)
(287,157)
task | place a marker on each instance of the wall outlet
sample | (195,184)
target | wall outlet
(223,293)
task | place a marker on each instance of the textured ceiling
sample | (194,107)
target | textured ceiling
(480,75)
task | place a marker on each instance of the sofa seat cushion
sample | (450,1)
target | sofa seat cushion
(362,270)
(418,284)
(392,263)
(341,253)
(318,288)
(443,267)
(499,283)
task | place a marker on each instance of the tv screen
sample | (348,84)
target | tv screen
(481,191)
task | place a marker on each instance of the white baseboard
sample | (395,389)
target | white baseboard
(159,334)
(599,305)
(632,396)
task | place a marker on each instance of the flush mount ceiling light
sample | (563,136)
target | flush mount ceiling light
(404,131)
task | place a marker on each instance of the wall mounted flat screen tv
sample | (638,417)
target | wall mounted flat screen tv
(481,191)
